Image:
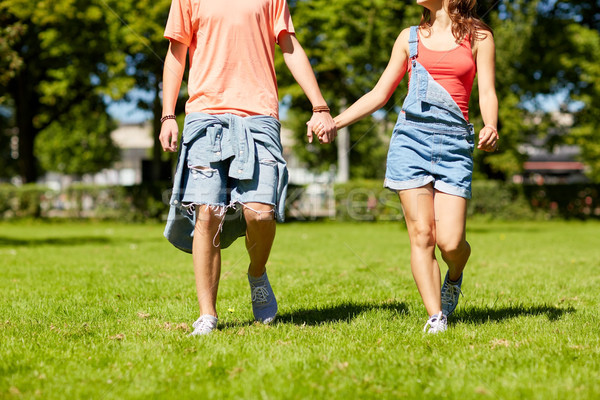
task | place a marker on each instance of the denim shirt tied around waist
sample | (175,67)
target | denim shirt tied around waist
(231,136)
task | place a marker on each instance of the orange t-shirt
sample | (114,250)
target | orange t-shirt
(231,53)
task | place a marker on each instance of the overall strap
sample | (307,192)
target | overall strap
(413,41)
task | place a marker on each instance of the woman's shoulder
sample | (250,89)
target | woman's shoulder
(404,36)
(483,34)
(402,40)
(483,42)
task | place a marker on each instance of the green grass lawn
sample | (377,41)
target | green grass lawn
(102,311)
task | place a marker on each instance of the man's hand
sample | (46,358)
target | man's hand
(323,126)
(169,133)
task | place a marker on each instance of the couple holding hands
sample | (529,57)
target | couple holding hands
(231,178)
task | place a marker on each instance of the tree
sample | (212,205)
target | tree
(143,39)
(64,57)
(77,142)
(544,48)
(513,27)
(562,59)
(348,43)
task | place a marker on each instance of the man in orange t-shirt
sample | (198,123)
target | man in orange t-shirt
(231,152)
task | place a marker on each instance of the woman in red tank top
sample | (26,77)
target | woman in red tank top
(430,156)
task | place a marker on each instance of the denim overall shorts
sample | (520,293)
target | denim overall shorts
(432,142)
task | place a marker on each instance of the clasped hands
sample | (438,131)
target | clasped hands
(322,125)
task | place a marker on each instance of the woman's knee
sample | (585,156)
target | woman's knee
(452,248)
(422,235)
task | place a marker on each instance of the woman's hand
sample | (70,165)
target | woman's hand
(488,139)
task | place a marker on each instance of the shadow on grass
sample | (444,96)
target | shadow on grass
(513,228)
(337,313)
(62,241)
(344,312)
(73,240)
(481,315)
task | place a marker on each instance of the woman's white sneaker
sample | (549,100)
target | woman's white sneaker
(436,323)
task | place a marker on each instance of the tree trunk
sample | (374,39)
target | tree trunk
(24,112)
(156,125)
(343,151)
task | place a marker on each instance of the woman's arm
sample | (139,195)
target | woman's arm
(172,75)
(383,90)
(488,101)
(296,60)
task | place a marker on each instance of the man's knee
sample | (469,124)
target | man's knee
(258,212)
(209,215)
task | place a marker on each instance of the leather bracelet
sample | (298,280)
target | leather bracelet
(166,117)
(320,109)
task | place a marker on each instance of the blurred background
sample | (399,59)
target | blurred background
(80,108)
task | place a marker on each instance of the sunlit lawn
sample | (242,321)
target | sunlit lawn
(102,311)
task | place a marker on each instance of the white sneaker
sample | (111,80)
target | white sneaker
(436,323)
(204,325)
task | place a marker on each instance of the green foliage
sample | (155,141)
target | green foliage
(78,142)
(57,55)
(69,55)
(26,201)
(512,34)
(366,200)
(102,310)
(357,200)
(585,132)
(368,146)
(10,62)
(543,47)
(574,201)
(562,58)
(124,203)
(501,201)
(8,164)
(348,43)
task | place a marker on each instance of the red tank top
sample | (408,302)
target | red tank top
(453,69)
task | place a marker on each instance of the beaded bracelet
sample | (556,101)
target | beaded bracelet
(166,117)
(320,109)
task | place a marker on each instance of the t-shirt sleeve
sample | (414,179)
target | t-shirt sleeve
(179,23)
(283,19)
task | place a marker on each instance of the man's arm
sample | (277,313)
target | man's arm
(296,60)
(172,76)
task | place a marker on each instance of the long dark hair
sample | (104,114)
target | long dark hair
(465,22)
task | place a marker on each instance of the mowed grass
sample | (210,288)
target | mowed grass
(102,311)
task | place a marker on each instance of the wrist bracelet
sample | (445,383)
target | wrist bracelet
(166,117)
(320,109)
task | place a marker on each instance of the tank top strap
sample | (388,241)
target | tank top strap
(413,42)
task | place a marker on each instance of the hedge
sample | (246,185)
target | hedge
(359,200)
(369,201)
(128,203)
